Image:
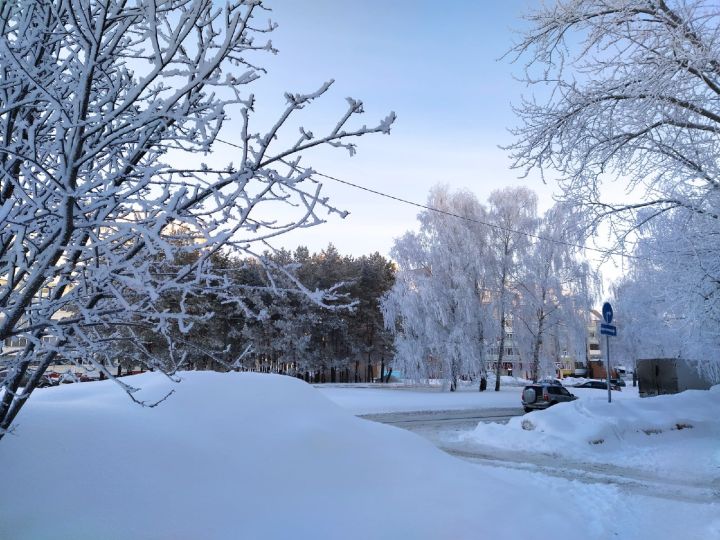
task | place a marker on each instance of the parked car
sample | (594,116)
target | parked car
(600,385)
(550,380)
(543,395)
(618,382)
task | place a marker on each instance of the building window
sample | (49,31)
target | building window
(16,341)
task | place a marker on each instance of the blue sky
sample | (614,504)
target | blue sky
(436,64)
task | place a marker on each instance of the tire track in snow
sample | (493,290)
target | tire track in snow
(633,481)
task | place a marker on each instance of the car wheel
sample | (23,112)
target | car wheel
(528,409)
(553,403)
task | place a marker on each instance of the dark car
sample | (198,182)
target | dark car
(618,382)
(549,380)
(600,385)
(543,395)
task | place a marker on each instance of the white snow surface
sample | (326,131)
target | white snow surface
(252,456)
(677,434)
(386,398)
(378,398)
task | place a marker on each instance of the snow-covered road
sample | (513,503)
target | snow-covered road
(629,480)
(448,429)
(442,420)
(443,427)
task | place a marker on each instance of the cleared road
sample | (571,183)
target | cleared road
(444,419)
(443,426)
(445,430)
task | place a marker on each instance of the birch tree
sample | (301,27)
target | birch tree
(633,94)
(556,288)
(437,307)
(106,109)
(628,101)
(668,298)
(513,214)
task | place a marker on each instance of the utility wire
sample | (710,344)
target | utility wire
(451,214)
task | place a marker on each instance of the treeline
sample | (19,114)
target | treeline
(311,315)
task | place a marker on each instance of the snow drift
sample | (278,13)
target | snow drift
(228,456)
(248,456)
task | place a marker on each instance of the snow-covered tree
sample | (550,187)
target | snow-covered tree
(472,276)
(513,214)
(628,102)
(668,299)
(634,95)
(439,307)
(105,111)
(555,290)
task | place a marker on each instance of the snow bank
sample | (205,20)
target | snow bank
(678,433)
(250,456)
(229,456)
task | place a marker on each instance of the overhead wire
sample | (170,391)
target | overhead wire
(608,252)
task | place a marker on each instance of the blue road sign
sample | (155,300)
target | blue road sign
(608,329)
(607,312)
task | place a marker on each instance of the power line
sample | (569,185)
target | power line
(473,220)
(452,214)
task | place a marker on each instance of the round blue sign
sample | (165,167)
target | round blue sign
(607,312)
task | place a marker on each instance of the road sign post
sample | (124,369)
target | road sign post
(608,330)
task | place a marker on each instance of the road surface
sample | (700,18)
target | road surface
(445,430)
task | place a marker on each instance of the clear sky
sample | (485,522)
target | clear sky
(438,66)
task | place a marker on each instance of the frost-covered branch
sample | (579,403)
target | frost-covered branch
(106,208)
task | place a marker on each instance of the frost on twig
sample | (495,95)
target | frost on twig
(112,224)
(628,117)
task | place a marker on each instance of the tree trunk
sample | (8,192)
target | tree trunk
(536,350)
(501,352)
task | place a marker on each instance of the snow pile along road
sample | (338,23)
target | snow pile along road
(233,456)
(679,434)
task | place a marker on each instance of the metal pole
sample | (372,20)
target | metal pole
(607,350)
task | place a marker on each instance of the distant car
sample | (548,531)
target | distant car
(556,382)
(618,382)
(543,395)
(600,385)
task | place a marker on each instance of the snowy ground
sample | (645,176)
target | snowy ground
(677,434)
(377,398)
(232,456)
